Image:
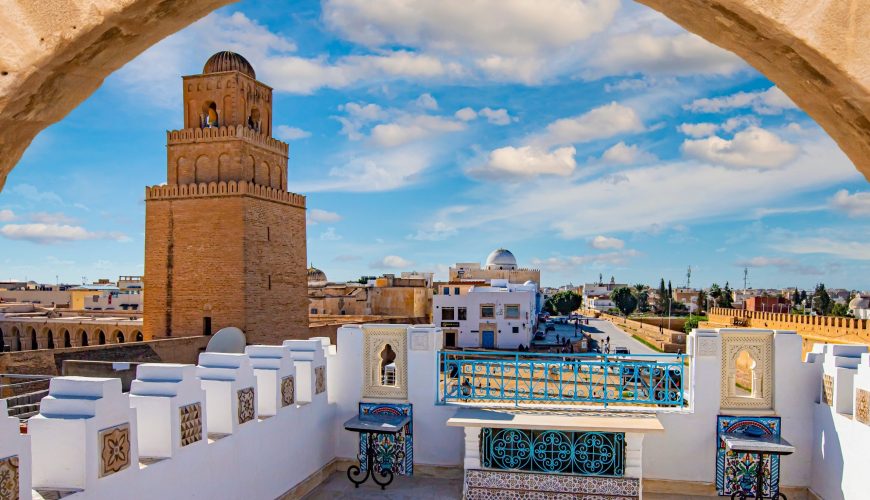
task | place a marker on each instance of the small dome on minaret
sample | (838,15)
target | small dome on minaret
(228,61)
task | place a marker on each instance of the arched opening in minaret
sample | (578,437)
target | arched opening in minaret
(254,119)
(209,114)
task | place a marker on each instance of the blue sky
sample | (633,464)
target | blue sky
(586,136)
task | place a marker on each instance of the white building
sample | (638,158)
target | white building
(596,296)
(500,315)
(859,307)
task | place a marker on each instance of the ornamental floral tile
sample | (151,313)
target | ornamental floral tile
(288,389)
(862,406)
(319,379)
(191,423)
(9,478)
(246,404)
(114,449)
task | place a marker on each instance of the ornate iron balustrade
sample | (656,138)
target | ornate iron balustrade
(582,453)
(509,377)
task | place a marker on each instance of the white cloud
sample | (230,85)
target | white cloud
(624,154)
(392,262)
(605,243)
(568,263)
(358,116)
(426,101)
(844,249)
(780,263)
(497,116)
(412,128)
(765,102)
(55,233)
(53,218)
(31,193)
(753,147)
(599,123)
(698,130)
(330,235)
(854,205)
(287,133)
(440,231)
(7,215)
(466,114)
(661,55)
(484,27)
(374,170)
(527,161)
(316,215)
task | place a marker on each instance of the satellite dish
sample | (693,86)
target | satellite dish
(229,340)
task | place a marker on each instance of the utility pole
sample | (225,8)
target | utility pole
(746,278)
(689,277)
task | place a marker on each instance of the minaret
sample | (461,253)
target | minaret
(224,239)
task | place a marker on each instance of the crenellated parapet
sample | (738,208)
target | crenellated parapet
(222,189)
(216,134)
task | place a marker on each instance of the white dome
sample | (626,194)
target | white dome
(227,340)
(501,259)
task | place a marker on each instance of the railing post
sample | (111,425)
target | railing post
(606,370)
(517,380)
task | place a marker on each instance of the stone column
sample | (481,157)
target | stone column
(230,387)
(472,448)
(85,432)
(276,378)
(634,458)
(170,408)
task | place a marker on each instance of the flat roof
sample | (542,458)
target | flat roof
(556,420)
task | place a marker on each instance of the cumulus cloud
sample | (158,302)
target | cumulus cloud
(426,101)
(412,128)
(698,130)
(568,263)
(7,215)
(391,262)
(316,215)
(839,247)
(330,235)
(854,205)
(466,114)
(527,161)
(374,170)
(624,154)
(598,123)
(287,133)
(753,147)
(766,102)
(32,193)
(780,263)
(606,243)
(497,116)
(42,233)
(53,218)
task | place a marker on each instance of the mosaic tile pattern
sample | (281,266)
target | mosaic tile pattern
(246,404)
(484,484)
(191,423)
(319,379)
(114,449)
(828,390)
(862,406)
(736,471)
(288,391)
(9,478)
(395,452)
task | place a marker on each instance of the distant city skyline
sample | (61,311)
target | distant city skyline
(605,140)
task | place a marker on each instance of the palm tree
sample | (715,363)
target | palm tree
(640,292)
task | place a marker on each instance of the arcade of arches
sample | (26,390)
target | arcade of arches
(816,51)
(33,335)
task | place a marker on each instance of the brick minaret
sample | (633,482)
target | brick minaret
(224,239)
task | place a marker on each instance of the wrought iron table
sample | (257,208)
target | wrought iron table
(759,445)
(373,424)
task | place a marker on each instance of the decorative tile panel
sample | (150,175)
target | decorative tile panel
(9,478)
(396,452)
(191,423)
(760,347)
(736,471)
(114,449)
(862,406)
(319,379)
(375,341)
(288,391)
(246,404)
(484,484)
(828,390)
(706,346)
(553,452)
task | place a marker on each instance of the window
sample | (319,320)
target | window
(512,311)
(487,311)
(388,365)
(446,290)
(463,314)
(456,290)
(314,310)
(268,233)
(446,313)
(515,329)
(206,325)
(270,282)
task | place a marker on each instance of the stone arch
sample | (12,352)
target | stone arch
(184,171)
(206,170)
(137,336)
(228,105)
(83,338)
(101,337)
(275,177)
(2,341)
(49,338)
(228,169)
(34,342)
(67,338)
(248,168)
(261,174)
(118,336)
(209,117)
(15,338)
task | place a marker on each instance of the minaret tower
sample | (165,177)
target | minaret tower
(224,239)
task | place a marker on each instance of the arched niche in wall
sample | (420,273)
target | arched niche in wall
(385,362)
(67,340)
(261,174)
(275,177)
(228,170)
(206,170)
(248,168)
(748,354)
(185,173)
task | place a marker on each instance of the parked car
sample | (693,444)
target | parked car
(620,350)
(550,328)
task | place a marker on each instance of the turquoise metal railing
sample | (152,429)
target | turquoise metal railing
(540,378)
(562,452)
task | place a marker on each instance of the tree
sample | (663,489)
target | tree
(702,300)
(821,301)
(725,299)
(663,297)
(364,279)
(796,297)
(839,310)
(692,323)
(564,302)
(642,295)
(625,301)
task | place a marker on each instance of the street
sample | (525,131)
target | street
(600,329)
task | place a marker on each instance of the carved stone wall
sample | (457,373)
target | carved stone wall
(375,341)
(760,346)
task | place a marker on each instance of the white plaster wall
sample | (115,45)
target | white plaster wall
(13,443)
(469,334)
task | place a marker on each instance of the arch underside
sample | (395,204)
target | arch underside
(816,51)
